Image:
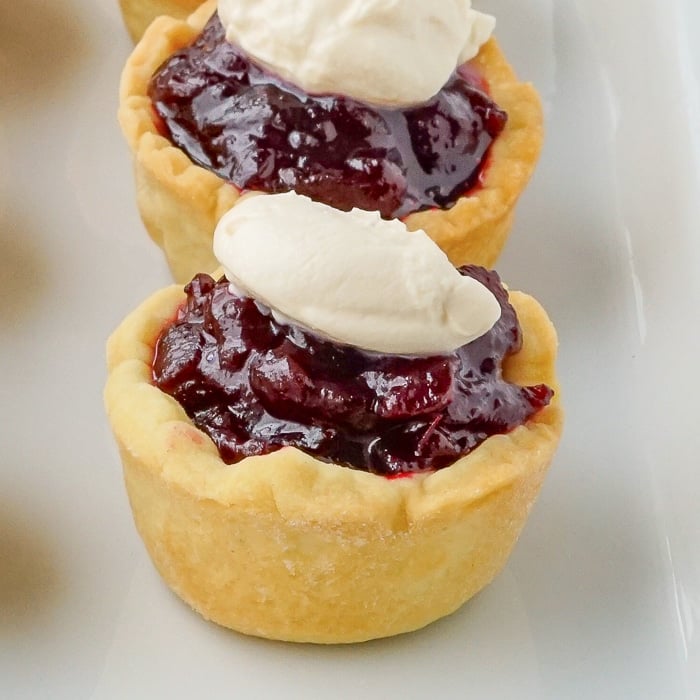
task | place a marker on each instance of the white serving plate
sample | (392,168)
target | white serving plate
(602,596)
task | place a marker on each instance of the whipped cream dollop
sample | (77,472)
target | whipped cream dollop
(351,277)
(386,52)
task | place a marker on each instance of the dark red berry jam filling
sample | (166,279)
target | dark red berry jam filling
(254,386)
(259,132)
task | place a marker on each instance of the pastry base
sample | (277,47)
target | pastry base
(138,14)
(181,203)
(288,547)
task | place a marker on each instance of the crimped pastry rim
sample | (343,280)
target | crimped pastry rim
(138,14)
(512,158)
(290,484)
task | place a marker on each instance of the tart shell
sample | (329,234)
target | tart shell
(180,202)
(138,14)
(288,547)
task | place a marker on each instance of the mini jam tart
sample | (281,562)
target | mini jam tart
(180,202)
(287,546)
(255,385)
(138,14)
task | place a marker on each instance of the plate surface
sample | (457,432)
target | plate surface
(602,596)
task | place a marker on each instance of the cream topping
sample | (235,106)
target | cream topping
(351,277)
(386,52)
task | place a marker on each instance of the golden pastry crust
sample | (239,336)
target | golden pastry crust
(288,547)
(138,14)
(180,203)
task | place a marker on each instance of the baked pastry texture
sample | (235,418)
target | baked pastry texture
(180,202)
(138,14)
(288,547)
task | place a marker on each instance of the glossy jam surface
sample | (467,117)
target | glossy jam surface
(260,133)
(255,385)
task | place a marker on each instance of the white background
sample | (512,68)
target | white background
(602,596)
